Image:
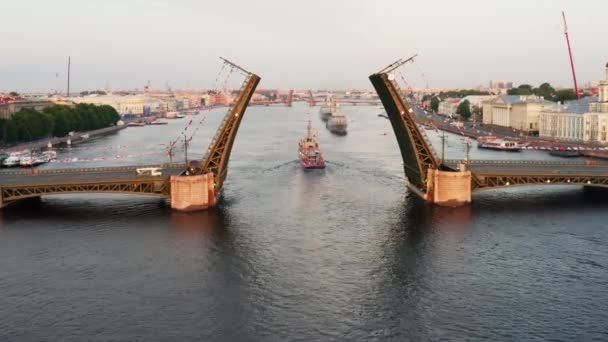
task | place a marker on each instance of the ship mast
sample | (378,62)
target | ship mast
(308,129)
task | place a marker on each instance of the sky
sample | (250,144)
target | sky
(335,44)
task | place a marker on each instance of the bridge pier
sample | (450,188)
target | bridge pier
(192,193)
(449,188)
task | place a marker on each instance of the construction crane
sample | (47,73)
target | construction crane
(570,53)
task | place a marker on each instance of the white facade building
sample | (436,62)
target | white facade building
(583,120)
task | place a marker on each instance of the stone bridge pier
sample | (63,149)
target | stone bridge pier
(449,188)
(193,193)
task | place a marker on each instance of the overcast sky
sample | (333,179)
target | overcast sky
(296,44)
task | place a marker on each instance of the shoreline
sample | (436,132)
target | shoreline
(76,138)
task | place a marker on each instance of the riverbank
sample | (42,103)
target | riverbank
(76,138)
(532,142)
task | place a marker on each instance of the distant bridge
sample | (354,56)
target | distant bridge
(451,182)
(189,188)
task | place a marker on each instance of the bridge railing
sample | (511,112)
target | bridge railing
(30,172)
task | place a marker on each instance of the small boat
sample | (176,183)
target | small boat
(85,136)
(35,159)
(50,155)
(309,153)
(158,123)
(382,115)
(3,157)
(14,159)
(565,153)
(495,143)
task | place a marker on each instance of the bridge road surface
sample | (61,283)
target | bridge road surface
(532,168)
(28,177)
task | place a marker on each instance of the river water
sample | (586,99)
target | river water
(344,253)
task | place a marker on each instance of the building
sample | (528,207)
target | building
(8,107)
(519,112)
(564,122)
(127,104)
(584,120)
(448,107)
(500,87)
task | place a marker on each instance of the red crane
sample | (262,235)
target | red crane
(570,53)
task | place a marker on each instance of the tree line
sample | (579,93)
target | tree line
(55,121)
(546,91)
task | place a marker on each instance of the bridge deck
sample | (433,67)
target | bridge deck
(523,167)
(85,175)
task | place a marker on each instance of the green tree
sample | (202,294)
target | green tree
(13,94)
(545,90)
(563,95)
(524,89)
(435,103)
(464,110)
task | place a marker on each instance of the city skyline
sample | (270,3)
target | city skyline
(125,44)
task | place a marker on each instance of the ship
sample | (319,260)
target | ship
(496,143)
(338,122)
(326,109)
(309,153)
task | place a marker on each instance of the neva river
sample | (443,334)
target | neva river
(340,254)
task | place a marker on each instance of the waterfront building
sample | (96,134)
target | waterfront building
(519,112)
(584,120)
(127,104)
(448,107)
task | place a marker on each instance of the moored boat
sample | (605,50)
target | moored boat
(309,153)
(14,159)
(565,153)
(495,143)
(3,157)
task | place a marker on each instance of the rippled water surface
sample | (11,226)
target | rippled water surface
(343,253)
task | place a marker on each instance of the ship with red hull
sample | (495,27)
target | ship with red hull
(309,153)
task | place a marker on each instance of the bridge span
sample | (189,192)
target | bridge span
(190,187)
(452,182)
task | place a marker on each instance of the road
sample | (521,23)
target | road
(534,168)
(77,176)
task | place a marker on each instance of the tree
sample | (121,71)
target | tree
(524,89)
(464,110)
(435,104)
(13,94)
(563,95)
(545,90)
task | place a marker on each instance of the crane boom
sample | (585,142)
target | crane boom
(570,54)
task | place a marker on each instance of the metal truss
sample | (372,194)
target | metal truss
(218,154)
(147,187)
(418,156)
(487,182)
